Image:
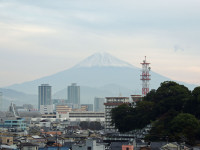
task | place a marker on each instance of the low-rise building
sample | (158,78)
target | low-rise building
(87,116)
(18,124)
(87,107)
(127,147)
(45,123)
(89,145)
(63,108)
(6,140)
(28,146)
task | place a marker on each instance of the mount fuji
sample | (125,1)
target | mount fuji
(99,75)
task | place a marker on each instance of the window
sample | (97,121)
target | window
(89,148)
(127,148)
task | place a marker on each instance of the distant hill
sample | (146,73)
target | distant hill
(98,75)
(18,98)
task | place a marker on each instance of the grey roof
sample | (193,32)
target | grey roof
(157,145)
(32,114)
(117,145)
(28,144)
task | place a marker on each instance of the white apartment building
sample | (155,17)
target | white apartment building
(112,102)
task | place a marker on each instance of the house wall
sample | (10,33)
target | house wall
(7,140)
(127,147)
(30,148)
(90,145)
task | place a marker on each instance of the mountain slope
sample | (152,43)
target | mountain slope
(96,72)
(102,60)
(18,98)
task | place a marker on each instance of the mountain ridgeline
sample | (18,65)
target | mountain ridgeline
(100,75)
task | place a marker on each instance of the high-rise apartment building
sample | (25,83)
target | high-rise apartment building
(74,95)
(112,102)
(44,98)
(99,104)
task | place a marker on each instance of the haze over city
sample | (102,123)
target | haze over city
(40,38)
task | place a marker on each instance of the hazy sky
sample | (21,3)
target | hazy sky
(42,37)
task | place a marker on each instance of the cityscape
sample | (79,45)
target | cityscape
(66,123)
(99,75)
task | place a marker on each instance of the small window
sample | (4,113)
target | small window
(8,140)
(127,148)
(89,148)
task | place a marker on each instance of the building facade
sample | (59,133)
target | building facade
(87,107)
(89,145)
(44,98)
(74,95)
(63,108)
(18,124)
(112,102)
(99,104)
(87,116)
(1,101)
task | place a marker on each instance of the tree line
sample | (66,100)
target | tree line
(172,110)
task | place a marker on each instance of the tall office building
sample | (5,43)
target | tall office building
(1,101)
(74,95)
(99,104)
(44,99)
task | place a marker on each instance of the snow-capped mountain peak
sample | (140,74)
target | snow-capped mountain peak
(102,59)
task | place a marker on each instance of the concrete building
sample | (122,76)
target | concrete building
(44,99)
(46,109)
(87,116)
(7,140)
(45,123)
(112,102)
(1,101)
(136,98)
(28,146)
(87,107)
(99,104)
(63,108)
(18,124)
(73,116)
(74,95)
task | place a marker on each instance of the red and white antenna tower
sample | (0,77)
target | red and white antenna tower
(145,77)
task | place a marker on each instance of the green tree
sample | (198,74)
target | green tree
(167,110)
(192,106)
(121,116)
(171,95)
(185,125)
(143,114)
(160,128)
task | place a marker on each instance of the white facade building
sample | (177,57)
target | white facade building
(46,109)
(99,104)
(112,102)
(87,116)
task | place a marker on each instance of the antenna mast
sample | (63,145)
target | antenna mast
(145,77)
